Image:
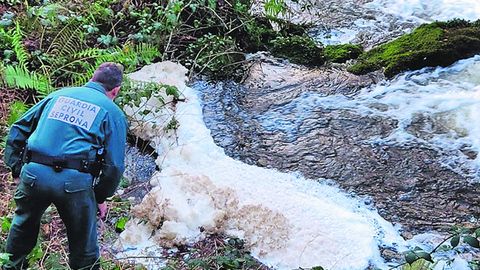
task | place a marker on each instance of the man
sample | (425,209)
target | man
(63,143)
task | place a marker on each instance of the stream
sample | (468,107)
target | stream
(410,145)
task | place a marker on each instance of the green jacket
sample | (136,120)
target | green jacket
(73,121)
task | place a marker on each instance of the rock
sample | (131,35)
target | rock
(429,45)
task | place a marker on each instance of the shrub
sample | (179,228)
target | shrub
(298,49)
(214,54)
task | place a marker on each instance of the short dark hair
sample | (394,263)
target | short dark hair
(109,74)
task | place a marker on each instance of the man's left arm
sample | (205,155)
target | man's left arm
(18,136)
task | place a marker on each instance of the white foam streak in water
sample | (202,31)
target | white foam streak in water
(404,14)
(427,11)
(286,220)
(447,98)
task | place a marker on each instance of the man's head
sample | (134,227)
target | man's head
(110,76)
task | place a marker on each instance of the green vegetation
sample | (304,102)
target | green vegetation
(298,49)
(460,240)
(134,95)
(17,109)
(215,55)
(343,52)
(430,45)
(215,253)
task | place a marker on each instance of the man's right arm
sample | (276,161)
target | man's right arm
(112,170)
(18,136)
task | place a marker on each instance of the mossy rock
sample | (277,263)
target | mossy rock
(298,49)
(259,33)
(430,45)
(343,52)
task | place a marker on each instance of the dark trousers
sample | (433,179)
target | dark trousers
(72,194)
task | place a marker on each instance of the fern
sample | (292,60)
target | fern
(82,78)
(17,109)
(18,77)
(18,48)
(67,42)
(88,53)
(130,56)
(147,52)
(274,7)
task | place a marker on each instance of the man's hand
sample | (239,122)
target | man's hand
(102,209)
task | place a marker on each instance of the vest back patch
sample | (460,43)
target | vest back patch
(74,112)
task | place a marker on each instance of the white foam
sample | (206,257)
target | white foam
(449,98)
(343,35)
(286,220)
(404,14)
(428,11)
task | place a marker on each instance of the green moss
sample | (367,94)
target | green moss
(258,32)
(298,49)
(435,44)
(343,52)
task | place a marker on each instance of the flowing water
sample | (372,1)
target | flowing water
(287,221)
(370,22)
(411,144)
(313,166)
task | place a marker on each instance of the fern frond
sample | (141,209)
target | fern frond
(18,77)
(81,78)
(111,55)
(130,56)
(16,110)
(147,52)
(89,53)
(68,41)
(18,48)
